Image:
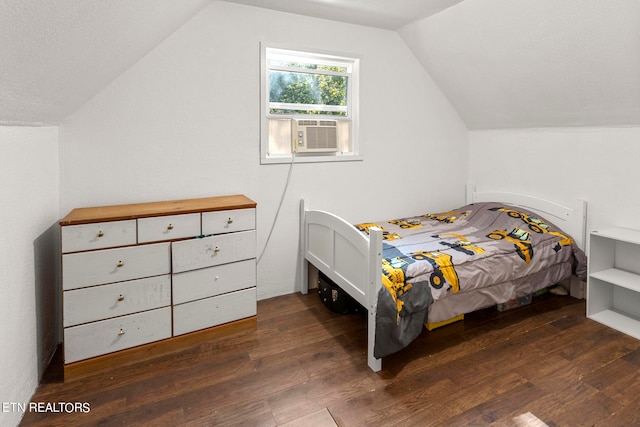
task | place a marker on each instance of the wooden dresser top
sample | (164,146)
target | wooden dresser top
(141,210)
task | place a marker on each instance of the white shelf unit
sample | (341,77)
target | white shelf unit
(613,286)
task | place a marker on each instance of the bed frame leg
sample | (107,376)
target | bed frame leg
(374,364)
(374,284)
(303,272)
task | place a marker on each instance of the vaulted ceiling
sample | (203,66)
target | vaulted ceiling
(57,54)
(522,63)
(501,63)
(388,14)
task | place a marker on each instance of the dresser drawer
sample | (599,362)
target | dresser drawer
(208,282)
(155,229)
(204,313)
(214,250)
(117,299)
(115,265)
(98,235)
(106,336)
(228,221)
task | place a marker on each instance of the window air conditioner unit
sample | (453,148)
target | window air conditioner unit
(315,136)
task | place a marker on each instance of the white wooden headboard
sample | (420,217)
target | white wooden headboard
(572,220)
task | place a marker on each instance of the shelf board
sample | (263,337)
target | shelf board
(619,278)
(624,323)
(621,234)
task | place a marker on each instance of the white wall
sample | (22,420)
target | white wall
(184,122)
(28,260)
(595,164)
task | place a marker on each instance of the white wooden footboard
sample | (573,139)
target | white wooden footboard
(348,257)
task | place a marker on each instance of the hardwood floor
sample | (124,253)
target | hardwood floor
(545,358)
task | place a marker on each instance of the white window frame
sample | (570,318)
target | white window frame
(352,116)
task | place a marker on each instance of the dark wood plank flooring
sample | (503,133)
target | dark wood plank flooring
(545,358)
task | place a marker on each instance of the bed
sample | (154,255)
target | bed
(435,266)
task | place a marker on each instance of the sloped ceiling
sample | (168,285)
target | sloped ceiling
(522,63)
(56,54)
(501,63)
(387,14)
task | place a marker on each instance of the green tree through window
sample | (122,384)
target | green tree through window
(307,88)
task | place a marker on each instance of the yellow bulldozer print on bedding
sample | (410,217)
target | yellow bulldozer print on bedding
(443,270)
(537,226)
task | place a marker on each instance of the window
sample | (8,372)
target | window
(309,106)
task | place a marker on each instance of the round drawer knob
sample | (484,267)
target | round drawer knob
(100,233)
(120,264)
(230,221)
(170,227)
(216,250)
(121,332)
(120,297)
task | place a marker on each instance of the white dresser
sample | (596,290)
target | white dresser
(142,273)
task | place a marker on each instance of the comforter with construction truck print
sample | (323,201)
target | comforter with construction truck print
(432,256)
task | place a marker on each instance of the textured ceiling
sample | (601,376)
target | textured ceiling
(56,54)
(522,63)
(386,14)
(501,63)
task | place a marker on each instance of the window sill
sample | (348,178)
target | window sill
(300,158)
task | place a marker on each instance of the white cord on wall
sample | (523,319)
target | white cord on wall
(275,219)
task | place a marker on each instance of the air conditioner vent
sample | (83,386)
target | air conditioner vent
(315,136)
